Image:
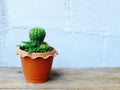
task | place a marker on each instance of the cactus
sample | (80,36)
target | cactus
(36,43)
(44,47)
(37,34)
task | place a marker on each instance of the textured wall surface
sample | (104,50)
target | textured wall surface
(86,33)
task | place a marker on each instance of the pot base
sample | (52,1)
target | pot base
(29,80)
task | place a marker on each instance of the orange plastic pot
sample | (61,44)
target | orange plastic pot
(36,66)
(36,70)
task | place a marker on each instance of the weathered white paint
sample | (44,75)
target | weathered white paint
(3,25)
(86,33)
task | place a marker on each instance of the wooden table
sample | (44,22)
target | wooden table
(63,79)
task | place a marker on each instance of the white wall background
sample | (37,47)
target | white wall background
(86,33)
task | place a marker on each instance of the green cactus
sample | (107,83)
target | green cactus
(36,43)
(37,34)
(44,47)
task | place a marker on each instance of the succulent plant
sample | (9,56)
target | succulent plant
(36,43)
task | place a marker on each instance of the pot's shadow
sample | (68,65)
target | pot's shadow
(54,75)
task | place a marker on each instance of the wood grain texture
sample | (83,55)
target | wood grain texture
(64,79)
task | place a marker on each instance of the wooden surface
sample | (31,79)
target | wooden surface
(64,79)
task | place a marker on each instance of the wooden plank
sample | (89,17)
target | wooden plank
(64,78)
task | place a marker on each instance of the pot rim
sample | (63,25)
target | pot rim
(34,55)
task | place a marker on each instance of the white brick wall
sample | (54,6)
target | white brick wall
(44,13)
(97,15)
(86,33)
(3,24)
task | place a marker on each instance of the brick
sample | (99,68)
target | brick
(97,15)
(45,13)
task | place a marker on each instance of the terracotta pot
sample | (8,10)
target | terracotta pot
(36,66)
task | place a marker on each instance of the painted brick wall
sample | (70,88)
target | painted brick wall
(86,33)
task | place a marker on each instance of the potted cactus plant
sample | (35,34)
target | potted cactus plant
(36,56)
